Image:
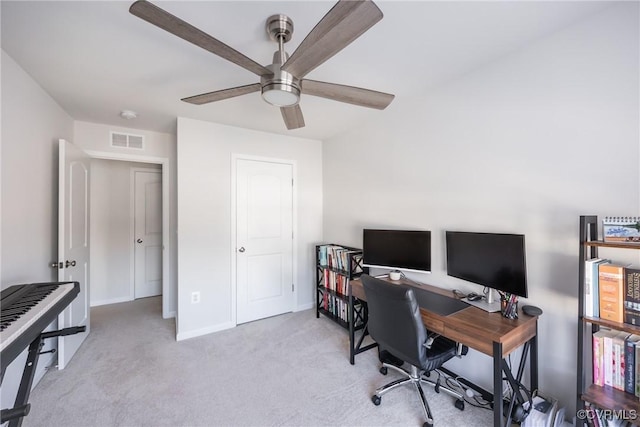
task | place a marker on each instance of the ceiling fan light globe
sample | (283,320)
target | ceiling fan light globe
(281,95)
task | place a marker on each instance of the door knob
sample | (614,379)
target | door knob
(70,263)
(139,240)
(241,249)
(57,265)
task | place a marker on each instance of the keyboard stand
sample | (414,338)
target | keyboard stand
(21,407)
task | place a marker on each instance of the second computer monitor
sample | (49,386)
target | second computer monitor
(493,260)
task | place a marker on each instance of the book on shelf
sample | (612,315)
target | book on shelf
(331,259)
(630,344)
(335,282)
(616,360)
(335,306)
(339,257)
(611,292)
(591,289)
(621,228)
(618,371)
(607,358)
(613,342)
(325,255)
(598,355)
(591,416)
(637,371)
(632,296)
(322,255)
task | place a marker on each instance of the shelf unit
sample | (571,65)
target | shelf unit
(604,397)
(336,266)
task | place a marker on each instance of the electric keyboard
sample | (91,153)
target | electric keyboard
(26,310)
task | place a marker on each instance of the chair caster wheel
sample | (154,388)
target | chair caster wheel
(426,424)
(376,399)
(383,370)
(460,404)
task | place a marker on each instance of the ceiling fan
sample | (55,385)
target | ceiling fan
(282,82)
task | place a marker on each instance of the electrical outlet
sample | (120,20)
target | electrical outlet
(195,297)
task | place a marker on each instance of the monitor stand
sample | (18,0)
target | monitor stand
(484,305)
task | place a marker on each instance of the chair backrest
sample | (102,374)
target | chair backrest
(394,320)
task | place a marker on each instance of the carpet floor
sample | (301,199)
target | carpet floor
(288,370)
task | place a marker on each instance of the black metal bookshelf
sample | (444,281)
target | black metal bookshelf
(336,266)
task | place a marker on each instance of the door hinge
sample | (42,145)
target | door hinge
(292,287)
(292,182)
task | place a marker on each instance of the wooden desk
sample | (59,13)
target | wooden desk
(488,333)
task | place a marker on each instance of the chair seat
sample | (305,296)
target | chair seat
(441,350)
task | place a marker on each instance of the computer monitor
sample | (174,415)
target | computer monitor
(408,250)
(493,260)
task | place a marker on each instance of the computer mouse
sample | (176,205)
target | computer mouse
(474,297)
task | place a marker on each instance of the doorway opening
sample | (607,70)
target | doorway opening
(145,224)
(127,257)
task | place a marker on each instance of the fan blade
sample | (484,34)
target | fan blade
(349,94)
(292,117)
(219,95)
(344,23)
(176,26)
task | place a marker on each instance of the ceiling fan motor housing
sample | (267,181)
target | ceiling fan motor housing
(282,88)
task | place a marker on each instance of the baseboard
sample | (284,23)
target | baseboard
(110,301)
(171,314)
(302,307)
(204,331)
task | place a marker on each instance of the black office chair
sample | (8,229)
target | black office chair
(395,324)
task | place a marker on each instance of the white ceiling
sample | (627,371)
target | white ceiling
(96,59)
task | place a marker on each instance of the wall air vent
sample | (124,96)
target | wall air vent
(127,140)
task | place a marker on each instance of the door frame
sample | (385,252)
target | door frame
(132,224)
(234,209)
(167,249)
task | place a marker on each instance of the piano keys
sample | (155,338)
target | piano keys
(26,310)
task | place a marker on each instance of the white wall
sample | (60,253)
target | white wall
(524,145)
(96,139)
(32,122)
(110,230)
(204,223)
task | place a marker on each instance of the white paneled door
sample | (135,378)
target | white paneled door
(73,243)
(264,239)
(147,233)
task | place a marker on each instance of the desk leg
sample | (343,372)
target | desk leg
(352,332)
(517,398)
(533,364)
(497,384)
